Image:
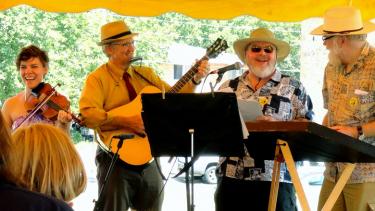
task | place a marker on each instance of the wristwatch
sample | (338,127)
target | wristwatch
(360,131)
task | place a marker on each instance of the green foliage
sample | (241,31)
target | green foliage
(70,40)
(76,136)
(63,36)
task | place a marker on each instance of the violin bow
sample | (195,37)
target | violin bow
(38,106)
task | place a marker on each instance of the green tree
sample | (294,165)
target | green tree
(70,40)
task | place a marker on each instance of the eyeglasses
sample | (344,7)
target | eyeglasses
(324,38)
(125,44)
(257,49)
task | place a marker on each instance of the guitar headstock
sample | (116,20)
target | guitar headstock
(216,48)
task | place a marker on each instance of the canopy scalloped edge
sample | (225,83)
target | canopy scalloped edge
(269,10)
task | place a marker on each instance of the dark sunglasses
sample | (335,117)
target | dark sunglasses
(256,49)
(324,38)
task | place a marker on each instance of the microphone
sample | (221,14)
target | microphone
(124,136)
(235,66)
(134,59)
(121,138)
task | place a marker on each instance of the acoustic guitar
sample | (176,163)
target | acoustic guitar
(137,151)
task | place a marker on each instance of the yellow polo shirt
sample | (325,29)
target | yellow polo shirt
(105,89)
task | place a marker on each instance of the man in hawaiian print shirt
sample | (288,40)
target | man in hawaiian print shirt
(349,96)
(242,181)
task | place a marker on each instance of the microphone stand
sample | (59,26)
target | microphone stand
(99,203)
(218,79)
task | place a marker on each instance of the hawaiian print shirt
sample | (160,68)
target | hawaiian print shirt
(281,97)
(349,96)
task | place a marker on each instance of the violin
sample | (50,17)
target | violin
(45,99)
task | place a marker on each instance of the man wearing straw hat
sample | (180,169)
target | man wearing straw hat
(112,86)
(243,181)
(349,97)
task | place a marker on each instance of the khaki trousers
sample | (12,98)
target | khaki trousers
(354,197)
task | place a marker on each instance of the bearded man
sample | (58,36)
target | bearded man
(349,97)
(245,181)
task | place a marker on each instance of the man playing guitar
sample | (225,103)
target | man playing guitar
(110,105)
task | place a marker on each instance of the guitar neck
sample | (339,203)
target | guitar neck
(187,76)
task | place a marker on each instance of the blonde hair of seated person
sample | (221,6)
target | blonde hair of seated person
(46,161)
(5,149)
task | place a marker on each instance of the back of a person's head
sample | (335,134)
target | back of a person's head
(45,160)
(5,148)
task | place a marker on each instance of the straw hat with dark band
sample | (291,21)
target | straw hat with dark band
(261,35)
(114,31)
(345,20)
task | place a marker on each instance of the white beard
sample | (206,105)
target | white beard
(333,58)
(262,72)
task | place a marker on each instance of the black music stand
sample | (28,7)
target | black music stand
(193,125)
(307,141)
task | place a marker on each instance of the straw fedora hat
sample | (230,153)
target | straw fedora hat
(344,20)
(261,35)
(113,31)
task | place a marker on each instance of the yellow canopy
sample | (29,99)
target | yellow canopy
(270,10)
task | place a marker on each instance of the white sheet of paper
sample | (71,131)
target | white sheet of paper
(249,109)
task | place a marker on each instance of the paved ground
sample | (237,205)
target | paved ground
(175,193)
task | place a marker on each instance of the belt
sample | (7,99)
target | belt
(138,168)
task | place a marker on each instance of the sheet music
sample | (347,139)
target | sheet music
(245,132)
(249,110)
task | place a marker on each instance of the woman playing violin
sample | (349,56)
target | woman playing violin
(32,63)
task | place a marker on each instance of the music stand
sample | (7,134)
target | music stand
(307,141)
(180,124)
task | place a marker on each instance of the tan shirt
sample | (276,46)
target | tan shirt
(349,96)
